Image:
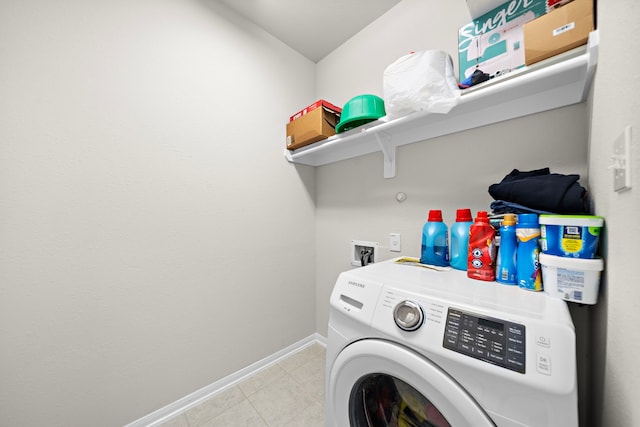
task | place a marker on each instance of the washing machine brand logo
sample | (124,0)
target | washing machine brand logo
(356,284)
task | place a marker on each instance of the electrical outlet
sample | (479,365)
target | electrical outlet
(364,251)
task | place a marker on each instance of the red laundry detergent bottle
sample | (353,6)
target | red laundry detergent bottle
(482,249)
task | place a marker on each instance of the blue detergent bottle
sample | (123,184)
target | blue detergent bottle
(460,239)
(435,241)
(527,263)
(506,271)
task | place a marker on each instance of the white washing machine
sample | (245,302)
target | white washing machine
(409,346)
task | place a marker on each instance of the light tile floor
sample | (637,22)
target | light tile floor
(286,394)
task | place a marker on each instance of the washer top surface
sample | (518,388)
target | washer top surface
(456,288)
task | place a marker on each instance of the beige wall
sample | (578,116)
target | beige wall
(153,238)
(616,105)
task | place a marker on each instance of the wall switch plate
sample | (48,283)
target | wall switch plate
(394,242)
(622,161)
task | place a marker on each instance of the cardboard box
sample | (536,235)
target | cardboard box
(494,42)
(560,30)
(311,127)
(317,104)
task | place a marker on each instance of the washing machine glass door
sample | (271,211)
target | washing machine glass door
(375,383)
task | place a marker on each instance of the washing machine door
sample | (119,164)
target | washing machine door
(376,383)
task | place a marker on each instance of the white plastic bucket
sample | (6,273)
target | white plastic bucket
(571,279)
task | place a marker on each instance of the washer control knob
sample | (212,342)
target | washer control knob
(408,315)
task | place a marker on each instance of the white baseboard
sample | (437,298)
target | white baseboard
(164,414)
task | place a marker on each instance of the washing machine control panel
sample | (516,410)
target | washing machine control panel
(488,339)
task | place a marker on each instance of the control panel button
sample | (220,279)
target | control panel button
(543,364)
(517,362)
(543,341)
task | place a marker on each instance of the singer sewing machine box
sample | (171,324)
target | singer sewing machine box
(494,42)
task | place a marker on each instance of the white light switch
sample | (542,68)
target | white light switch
(622,161)
(394,242)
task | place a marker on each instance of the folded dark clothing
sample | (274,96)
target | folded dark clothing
(515,174)
(541,190)
(500,207)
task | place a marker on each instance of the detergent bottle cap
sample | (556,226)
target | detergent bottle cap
(463,215)
(482,217)
(528,220)
(509,219)
(435,215)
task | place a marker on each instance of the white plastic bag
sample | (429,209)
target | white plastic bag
(420,81)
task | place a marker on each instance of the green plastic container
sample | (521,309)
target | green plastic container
(360,110)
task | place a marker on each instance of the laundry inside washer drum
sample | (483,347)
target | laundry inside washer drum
(390,402)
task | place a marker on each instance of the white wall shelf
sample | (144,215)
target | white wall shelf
(557,82)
